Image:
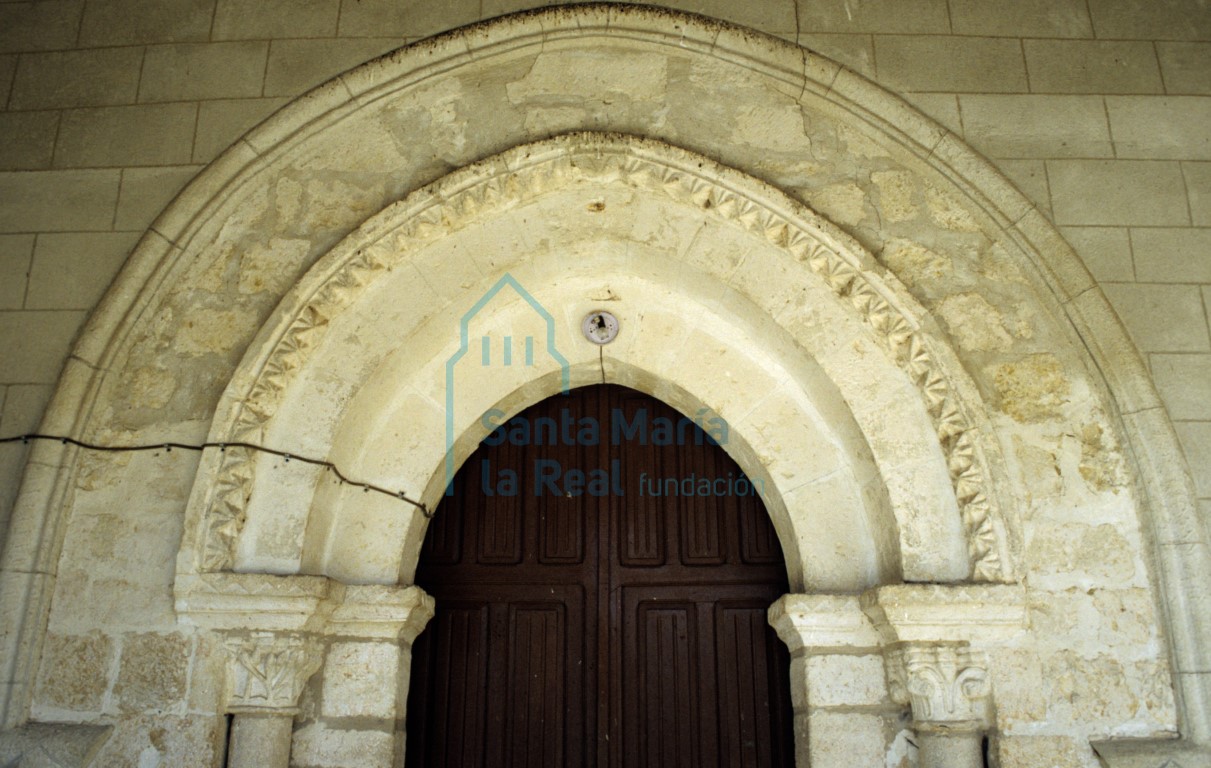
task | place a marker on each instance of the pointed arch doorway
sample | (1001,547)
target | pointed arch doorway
(612,619)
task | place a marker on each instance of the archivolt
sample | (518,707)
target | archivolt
(483,192)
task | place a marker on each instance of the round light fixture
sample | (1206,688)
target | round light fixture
(600,327)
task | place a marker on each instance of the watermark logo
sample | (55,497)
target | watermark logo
(621,427)
(481,355)
(500,352)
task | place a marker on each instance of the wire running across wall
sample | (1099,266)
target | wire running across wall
(168,447)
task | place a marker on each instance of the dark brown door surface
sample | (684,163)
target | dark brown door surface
(589,613)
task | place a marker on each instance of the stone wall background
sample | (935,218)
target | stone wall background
(1097,109)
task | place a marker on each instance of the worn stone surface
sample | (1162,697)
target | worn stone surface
(77,671)
(1031,389)
(152,672)
(845,680)
(193,741)
(317,746)
(1056,751)
(359,680)
(842,738)
(1089,66)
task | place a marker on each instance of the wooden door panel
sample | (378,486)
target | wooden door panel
(502,519)
(750,675)
(642,518)
(561,534)
(501,677)
(702,678)
(660,693)
(662,702)
(538,693)
(703,538)
(576,630)
(448,696)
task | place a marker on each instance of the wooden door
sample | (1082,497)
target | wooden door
(613,624)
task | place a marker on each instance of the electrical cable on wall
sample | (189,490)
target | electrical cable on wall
(169,446)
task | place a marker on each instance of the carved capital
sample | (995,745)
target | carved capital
(266,671)
(392,613)
(947,685)
(819,623)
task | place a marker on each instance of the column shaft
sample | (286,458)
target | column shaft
(950,749)
(260,740)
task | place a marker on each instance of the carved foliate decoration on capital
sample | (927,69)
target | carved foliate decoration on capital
(266,671)
(947,686)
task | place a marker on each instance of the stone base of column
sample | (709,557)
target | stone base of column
(260,740)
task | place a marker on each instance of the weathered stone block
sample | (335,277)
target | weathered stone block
(1162,318)
(241,20)
(914,16)
(837,680)
(412,18)
(1032,18)
(1033,751)
(29,139)
(297,65)
(971,64)
(203,71)
(41,26)
(1175,20)
(208,674)
(1030,389)
(33,345)
(196,741)
(132,22)
(1164,255)
(16,252)
(77,78)
(320,746)
(1184,66)
(360,680)
(1106,252)
(1117,192)
(1017,684)
(75,671)
(1083,690)
(126,136)
(1037,125)
(846,739)
(1092,66)
(1077,551)
(58,201)
(1161,126)
(152,672)
(72,270)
